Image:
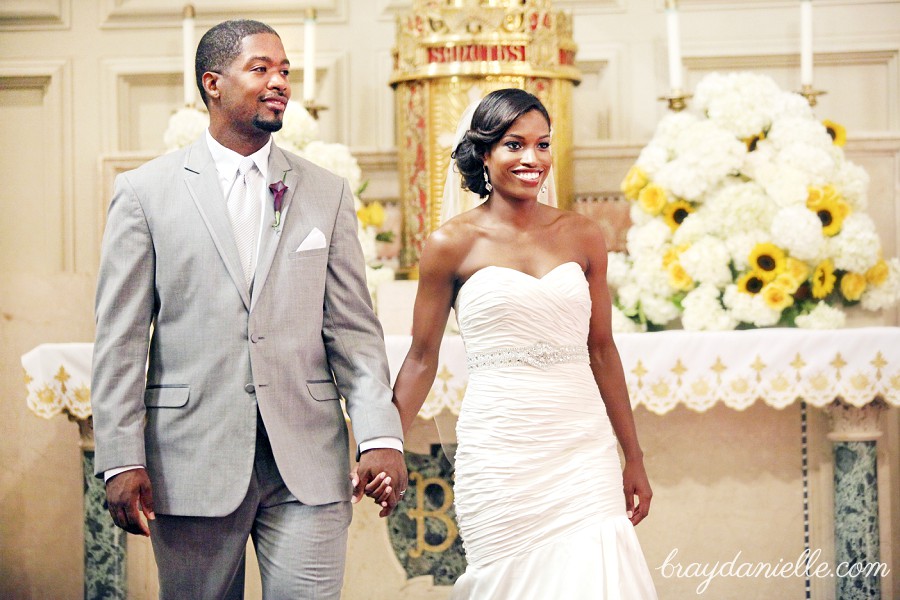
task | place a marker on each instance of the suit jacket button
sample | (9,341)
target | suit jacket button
(249,388)
(253,338)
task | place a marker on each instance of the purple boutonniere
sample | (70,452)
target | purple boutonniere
(278,189)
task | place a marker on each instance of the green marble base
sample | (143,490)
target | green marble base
(104,543)
(856,536)
(423,529)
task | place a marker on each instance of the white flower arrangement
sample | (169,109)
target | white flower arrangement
(747,215)
(299,135)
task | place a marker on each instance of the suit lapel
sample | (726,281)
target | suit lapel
(202,181)
(279,170)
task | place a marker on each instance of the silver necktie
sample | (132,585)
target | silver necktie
(243,211)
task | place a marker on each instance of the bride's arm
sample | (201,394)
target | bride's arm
(434,297)
(610,376)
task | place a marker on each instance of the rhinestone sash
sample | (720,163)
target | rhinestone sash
(541,355)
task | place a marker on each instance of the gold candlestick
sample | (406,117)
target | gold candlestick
(811,94)
(677,99)
(313,109)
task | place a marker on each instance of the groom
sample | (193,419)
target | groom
(255,323)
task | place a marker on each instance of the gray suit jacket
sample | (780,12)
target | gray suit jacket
(170,287)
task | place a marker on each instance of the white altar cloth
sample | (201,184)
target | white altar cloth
(663,369)
(698,369)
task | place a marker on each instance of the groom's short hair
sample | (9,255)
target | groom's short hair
(221,45)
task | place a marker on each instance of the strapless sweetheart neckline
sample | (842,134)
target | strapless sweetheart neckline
(523,273)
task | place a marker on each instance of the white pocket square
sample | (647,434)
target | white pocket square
(313,241)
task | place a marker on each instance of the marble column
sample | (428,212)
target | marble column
(856,535)
(104,543)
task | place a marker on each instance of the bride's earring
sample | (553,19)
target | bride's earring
(544,189)
(487,181)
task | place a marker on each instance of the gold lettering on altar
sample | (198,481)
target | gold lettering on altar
(476,53)
(420,514)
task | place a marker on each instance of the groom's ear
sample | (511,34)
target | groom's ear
(210,82)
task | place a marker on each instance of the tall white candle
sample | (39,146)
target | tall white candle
(309,55)
(806,35)
(672,33)
(188,49)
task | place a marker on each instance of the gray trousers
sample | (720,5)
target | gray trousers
(301,549)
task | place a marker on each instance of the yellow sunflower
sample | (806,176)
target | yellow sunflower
(823,279)
(750,283)
(676,212)
(852,286)
(634,182)
(878,274)
(679,278)
(752,141)
(829,207)
(776,297)
(836,131)
(768,260)
(652,199)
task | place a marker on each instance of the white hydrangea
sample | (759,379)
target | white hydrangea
(749,308)
(652,158)
(799,231)
(650,277)
(617,269)
(622,324)
(707,262)
(659,309)
(815,161)
(336,158)
(741,103)
(185,126)
(740,206)
(298,128)
(648,238)
(785,184)
(857,247)
(823,316)
(888,293)
(703,310)
(789,131)
(852,183)
(704,154)
(740,245)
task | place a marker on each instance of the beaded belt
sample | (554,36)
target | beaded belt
(539,355)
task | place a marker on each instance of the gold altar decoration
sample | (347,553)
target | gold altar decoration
(450,52)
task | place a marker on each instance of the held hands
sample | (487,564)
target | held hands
(380,475)
(635,483)
(129,494)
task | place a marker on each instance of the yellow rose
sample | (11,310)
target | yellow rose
(652,199)
(679,278)
(853,285)
(787,282)
(371,214)
(634,182)
(798,269)
(776,297)
(878,274)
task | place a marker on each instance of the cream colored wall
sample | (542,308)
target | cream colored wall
(85,85)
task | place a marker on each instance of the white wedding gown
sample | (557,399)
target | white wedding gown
(538,480)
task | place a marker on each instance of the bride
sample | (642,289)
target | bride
(538,478)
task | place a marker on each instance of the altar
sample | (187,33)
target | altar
(851,374)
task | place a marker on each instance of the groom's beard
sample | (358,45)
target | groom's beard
(270,126)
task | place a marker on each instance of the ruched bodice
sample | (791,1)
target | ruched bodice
(538,481)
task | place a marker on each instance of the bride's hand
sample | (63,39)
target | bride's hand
(635,483)
(379,489)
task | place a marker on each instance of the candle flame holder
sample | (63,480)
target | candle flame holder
(811,94)
(313,109)
(677,100)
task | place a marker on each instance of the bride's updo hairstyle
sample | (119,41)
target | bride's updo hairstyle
(493,116)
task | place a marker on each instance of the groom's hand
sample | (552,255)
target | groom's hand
(374,462)
(129,494)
